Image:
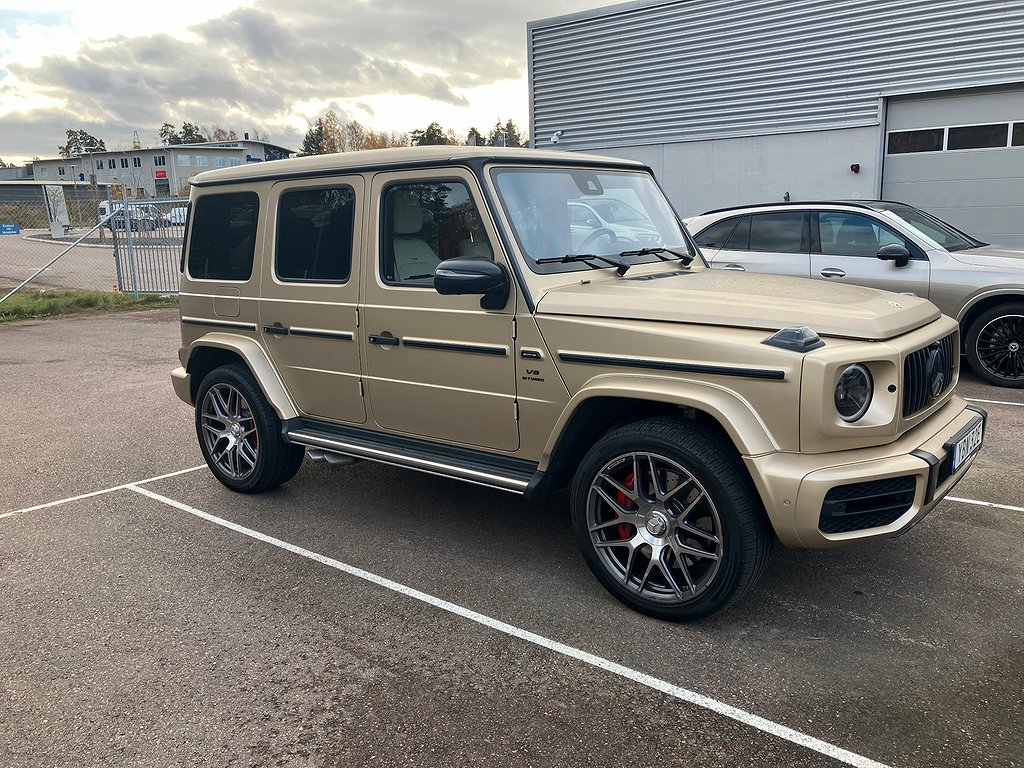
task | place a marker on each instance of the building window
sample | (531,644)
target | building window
(140,191)
(906,142)
(977,136)
(159,160)
(202,161)
(60,170)
(136,162)
(218,161)
(111,163)
(99,165)
(184,159)
(234,161)
(124,162)
(44,172)
(1018,135)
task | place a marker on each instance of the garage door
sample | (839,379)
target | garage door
(960,155)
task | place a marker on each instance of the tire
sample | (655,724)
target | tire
(995,345)
(655,568)
(240,435)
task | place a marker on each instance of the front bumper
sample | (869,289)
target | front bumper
(181,380)
(907,478)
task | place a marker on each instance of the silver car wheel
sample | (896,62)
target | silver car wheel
(1000,347)
(229,431)
(655,528)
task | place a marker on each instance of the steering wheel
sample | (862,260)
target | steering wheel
(599,232)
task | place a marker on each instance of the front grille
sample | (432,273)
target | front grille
(927,374)
(858,506)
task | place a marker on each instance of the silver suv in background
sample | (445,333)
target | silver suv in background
(885,245)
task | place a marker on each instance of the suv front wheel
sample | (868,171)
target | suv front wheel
(240,434)
(668,521)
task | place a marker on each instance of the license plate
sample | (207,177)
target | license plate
(965,447)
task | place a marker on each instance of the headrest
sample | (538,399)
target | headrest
(407,213)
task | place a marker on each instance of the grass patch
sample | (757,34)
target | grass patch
(27,305)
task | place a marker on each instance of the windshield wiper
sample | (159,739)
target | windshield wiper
(659,252)
(620,266)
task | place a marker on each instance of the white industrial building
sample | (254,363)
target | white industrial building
(742,101)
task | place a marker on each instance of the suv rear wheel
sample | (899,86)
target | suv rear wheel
(995,345)
(668,521)
(240,435)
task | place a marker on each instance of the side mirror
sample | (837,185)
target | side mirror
(474,276)
(894,252)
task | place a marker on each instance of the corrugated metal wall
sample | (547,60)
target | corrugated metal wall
(694,69)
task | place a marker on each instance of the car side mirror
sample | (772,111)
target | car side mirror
(474,276)
(894,252)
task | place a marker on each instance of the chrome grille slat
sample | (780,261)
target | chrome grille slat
(918,374)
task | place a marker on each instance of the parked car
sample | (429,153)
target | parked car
(142,216)
(885,245)
(427,308)
(176,216)
(628,225)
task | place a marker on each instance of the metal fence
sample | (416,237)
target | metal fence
(147,244)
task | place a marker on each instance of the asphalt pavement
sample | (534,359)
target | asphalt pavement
(367,615)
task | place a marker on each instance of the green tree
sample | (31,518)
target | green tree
(168,135)
(432,135)
(313,142)
(507,134)
(5,165)
(80,143)
(475,139)
(190,134)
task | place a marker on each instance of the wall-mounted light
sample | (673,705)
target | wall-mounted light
(855,167)
(556,137)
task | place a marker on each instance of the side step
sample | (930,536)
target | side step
(478,467)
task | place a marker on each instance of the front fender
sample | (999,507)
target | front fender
(259,364)
(736,416)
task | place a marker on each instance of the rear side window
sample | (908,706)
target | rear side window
(314,235)
(717,235)
(223,236)
(777,232)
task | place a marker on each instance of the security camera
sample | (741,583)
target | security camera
(556,137)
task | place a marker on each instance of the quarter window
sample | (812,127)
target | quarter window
(717,235)
(314,235)
(853,234)
(906,142)
(977,136)
(424,224)
(777,232)
(220,246)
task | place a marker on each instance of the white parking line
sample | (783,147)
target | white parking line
(985,503)
(993,402)
(683,694)
(100,493)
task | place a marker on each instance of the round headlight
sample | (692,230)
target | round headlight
(853,392)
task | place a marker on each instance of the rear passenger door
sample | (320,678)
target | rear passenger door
(310,291)
(848,243)
(773,242)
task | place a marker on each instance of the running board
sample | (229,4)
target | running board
(504,473)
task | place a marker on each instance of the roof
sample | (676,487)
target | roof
(226,144)
(401,157)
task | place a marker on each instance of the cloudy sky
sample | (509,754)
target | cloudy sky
(270,65)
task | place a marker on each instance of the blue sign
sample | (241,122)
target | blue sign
(10,229)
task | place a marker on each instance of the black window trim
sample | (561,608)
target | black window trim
(186,245)
(277,220)
(916,252)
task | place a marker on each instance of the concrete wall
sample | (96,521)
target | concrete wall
(701,175)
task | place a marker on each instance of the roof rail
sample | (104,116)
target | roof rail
(852,203)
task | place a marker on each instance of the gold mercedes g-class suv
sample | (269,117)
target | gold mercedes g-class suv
(528,320)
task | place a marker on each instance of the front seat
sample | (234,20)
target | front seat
(857,238)
(413,257)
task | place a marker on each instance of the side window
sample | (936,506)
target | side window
(422,224)
(777,232)
(582,217)
(223,237)
(314,235)
(717,235)
(854,234)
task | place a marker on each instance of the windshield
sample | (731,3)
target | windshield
(943,234)
(567,211)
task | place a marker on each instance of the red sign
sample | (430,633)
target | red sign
(160,174)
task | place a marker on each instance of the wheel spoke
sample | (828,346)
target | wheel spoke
(666,571)
(683,483)
(695,531)
(629,494)
(686,549)
(629,564)
(655,484)
(220,405)
(618,508)
(607,524)
(682,566)
(693,505)
(247,453)
(647,571)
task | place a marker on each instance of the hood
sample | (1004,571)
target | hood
(997,256)
(742,300)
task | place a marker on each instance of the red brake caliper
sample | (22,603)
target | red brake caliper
(624,529)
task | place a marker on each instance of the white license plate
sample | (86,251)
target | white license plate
(965,447)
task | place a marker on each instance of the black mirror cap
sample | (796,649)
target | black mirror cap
(474,276)
(894,252)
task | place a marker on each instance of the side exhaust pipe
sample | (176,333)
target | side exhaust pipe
(319,455)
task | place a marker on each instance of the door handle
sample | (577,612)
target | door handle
(735,267)
(277,330)
(832,272)
(385,339)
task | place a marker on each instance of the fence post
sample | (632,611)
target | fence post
(113,239)
(127,219)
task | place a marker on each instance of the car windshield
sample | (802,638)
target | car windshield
(943,234)
(553,215)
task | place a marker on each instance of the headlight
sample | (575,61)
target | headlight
(853,392)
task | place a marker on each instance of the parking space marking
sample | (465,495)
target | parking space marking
(993,402)
(683,694)
(985,504)
(101,492)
